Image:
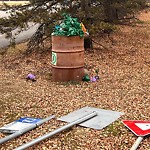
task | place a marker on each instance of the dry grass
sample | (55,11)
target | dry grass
(124,86)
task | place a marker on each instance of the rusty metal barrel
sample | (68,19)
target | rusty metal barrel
(67,58)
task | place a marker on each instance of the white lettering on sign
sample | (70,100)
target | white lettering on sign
(143,126)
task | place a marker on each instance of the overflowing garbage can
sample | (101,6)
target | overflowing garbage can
(68,51)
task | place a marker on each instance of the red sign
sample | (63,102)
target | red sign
(138,127)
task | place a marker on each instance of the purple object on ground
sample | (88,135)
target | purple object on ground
(96,77)
(93,79)
(31,76)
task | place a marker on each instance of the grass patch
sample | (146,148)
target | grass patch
(113,129)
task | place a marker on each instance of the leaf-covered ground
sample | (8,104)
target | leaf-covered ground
(124,85)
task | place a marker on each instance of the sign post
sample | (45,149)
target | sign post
(137,143)
(138,127)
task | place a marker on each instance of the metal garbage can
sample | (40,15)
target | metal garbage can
(67,58)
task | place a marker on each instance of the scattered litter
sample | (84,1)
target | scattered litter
(97,77)
(84,29)
(93,79)
(86,78)
(31,77)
